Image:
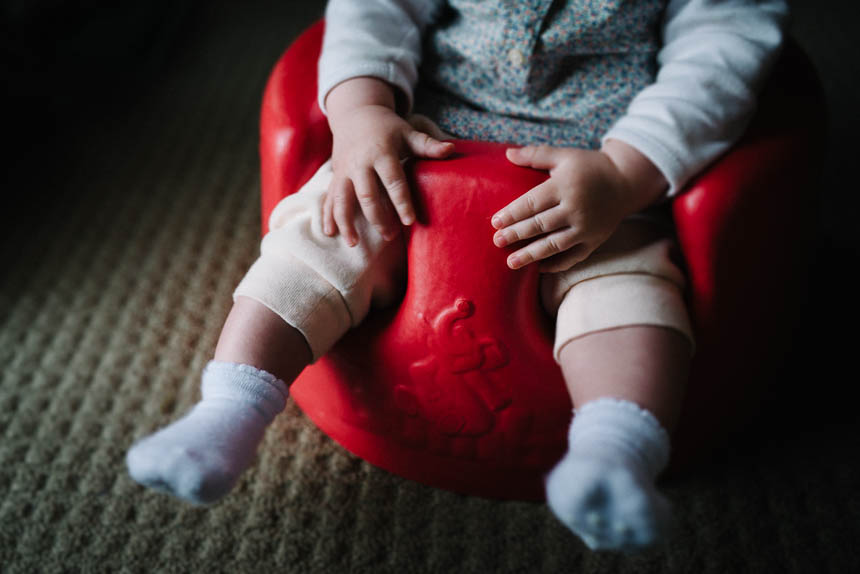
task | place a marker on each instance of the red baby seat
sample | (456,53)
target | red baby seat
(456,387)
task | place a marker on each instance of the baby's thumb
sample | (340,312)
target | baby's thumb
(423,145)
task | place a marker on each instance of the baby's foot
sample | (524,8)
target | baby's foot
(201,456)
(607,505)
(603,489)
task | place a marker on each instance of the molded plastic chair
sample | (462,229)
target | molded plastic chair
(456,387)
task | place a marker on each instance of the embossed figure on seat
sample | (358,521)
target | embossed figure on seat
(453,386)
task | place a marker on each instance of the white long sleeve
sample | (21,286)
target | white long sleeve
(715,57)
(377,38)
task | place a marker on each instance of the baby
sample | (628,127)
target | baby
(621,101)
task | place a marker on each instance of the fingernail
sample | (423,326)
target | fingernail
(408,219)
(513,261)
(499,240)
(496,221)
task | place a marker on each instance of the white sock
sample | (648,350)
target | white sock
(603,489)
(200,457)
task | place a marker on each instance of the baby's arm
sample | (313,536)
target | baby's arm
(369,141)
(715,58)
(367,71)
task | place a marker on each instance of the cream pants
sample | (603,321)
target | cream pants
(323,287)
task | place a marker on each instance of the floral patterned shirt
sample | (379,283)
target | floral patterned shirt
(537,71)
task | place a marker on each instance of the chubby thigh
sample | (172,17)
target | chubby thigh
(634,278)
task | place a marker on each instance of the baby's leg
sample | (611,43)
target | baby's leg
(627,385)
(303,293)
(624,345)
(201,456)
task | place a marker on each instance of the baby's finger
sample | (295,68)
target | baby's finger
(538,157)
(542,248)
(393,177)
(540,223)
(533,201)
(424,145)
(373,203)
(343,211)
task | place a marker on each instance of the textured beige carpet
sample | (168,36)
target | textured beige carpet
(117,270)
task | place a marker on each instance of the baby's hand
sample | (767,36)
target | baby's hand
(569,215)
(369,142)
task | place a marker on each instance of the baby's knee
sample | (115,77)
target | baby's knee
(618,288)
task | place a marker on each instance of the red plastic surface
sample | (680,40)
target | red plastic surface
(456,387)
